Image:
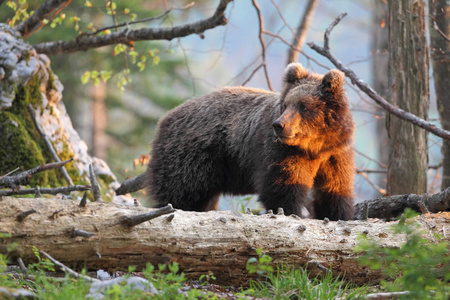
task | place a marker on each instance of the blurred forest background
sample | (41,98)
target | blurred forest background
(118,118)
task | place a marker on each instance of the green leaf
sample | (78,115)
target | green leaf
(156,60)
(133,55)
(85,77)
(105,75)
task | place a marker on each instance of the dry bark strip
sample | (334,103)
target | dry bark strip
(220,242)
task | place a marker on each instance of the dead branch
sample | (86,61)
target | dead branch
(126,36)
(24,177)
(393,206)
(94,184)
(370,182)
(50,191)
(47,11)
(263,44)
(131,221)
(49,145)
(300,35)
(326,36)
(325,51)
(387,296)
(66,269)
(132,184)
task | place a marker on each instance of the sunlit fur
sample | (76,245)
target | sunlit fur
(225,143)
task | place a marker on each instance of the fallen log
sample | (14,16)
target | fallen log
(390,207)
(217,241)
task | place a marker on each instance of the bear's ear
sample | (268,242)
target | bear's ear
(332,83)
(294,72)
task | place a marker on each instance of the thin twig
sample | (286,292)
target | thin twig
(252,74)
(382,165)
(371,171)
(48,10)
(50,191)
(328,30)
(263,44)
(296,49)
(49,144)
(24,177)
(146,20)
(67,269)
(372,184)
(10,172)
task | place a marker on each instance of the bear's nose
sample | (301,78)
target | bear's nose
(278,127)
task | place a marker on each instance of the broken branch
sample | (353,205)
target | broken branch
(132,184)
(24,177)
(50,191)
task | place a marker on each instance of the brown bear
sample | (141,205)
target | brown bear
(244,141)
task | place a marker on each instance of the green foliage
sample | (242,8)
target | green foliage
(418,265)
(20,9)
(292,283)
(260,265)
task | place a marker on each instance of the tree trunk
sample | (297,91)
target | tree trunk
(440,54)
(409,84)
(220,242)
(380,81)
(302,29)
(99,120)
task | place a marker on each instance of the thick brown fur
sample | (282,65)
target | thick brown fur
(242,141)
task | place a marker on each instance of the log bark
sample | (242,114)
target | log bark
(220,242)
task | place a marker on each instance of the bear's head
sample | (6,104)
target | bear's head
(313,108)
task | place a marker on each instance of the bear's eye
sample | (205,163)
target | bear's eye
(302,107)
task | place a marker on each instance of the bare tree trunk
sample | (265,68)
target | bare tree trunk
(99,143)
(440,54)
(99,236)
(380,58)
(409,84)
(302,29)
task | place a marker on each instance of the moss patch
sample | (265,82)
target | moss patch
(18,148)
(21,145)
